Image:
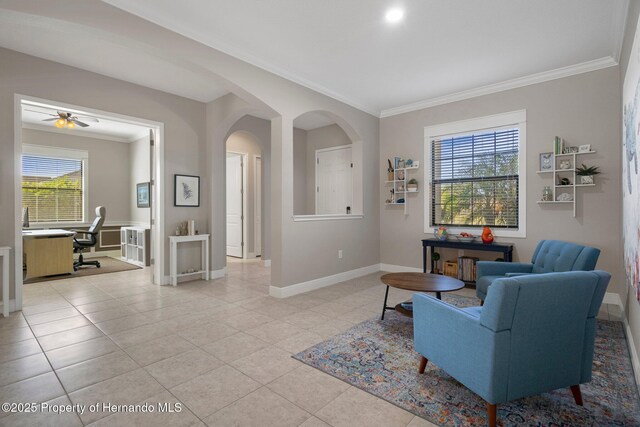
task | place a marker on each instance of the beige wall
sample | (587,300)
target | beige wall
(184,126)
(317,139)
(245,143)
(583,109)
(140,165)
(108,167)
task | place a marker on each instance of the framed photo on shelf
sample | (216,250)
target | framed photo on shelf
(186,190)
(584,148)
(143,195)
(546,161)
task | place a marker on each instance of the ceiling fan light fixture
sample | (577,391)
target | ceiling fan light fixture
(71,125)
(60,123)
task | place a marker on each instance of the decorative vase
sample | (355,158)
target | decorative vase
(390,176)
(487,235)
(412,187)
(586,179)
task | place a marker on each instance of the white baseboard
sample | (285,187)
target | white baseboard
(267,262)
(322,282)
(398,268)
(251,255)
(635,362)
(216,274)
(213,274)
(613,298)
(12,306)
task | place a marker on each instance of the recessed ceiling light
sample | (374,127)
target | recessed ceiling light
(394,15)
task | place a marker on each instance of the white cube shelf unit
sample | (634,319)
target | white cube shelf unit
(570,173)
(134,245)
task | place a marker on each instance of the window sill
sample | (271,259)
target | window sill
(306,218)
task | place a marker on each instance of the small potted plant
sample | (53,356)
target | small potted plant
(412,185)
(586,173)
(435,257)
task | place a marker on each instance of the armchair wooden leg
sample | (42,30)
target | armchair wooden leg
(491,415)
(423,364)
(577,394)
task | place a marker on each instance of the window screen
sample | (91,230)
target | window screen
(52,188)
(474,179)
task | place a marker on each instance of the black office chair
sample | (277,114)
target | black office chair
(81,244)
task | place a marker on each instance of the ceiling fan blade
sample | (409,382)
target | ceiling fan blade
(40,112)
(89,119)
(79,123)
(51,119)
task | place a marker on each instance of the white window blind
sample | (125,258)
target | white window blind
(475,179)
(52,188)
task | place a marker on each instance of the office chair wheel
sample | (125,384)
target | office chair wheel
(98,264)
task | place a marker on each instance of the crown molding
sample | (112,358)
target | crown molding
(545,76)
(244,56)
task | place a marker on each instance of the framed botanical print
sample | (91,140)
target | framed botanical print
(546,161)
(186,190)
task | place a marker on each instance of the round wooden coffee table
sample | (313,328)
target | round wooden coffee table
(419,282)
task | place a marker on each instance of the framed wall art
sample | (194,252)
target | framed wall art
(143,195)
(186,190)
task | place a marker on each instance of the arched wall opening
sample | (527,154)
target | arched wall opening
(245,195)
(327,167)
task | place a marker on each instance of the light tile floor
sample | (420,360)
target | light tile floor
(220,349)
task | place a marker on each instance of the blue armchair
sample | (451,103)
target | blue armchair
(550,256)
(534,334)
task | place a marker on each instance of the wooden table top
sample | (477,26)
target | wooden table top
(422,282)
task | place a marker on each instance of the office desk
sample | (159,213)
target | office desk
(47,252)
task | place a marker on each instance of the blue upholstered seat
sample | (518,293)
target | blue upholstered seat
(535,333)
(550,256)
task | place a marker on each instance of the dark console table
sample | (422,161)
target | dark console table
(505,248)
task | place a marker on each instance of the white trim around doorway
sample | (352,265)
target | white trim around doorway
(157,196)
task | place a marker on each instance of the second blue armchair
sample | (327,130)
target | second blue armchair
(550,256)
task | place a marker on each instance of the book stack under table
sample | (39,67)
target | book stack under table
(467,269)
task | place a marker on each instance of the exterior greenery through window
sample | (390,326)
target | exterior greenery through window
(52,188)
(475,180)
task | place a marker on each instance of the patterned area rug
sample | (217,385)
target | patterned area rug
(378,357)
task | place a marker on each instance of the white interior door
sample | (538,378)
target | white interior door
(258,208)
(334,181)
(234,205)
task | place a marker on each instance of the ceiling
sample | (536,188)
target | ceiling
(33,114)
(441,51)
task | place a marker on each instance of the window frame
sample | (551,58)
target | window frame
(67,154)
(514,119)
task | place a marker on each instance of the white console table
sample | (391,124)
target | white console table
(4,253)
(173,256)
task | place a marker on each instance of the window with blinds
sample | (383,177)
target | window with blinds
(475,180)
(52,188)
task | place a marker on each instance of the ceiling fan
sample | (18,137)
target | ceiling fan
(66,119)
